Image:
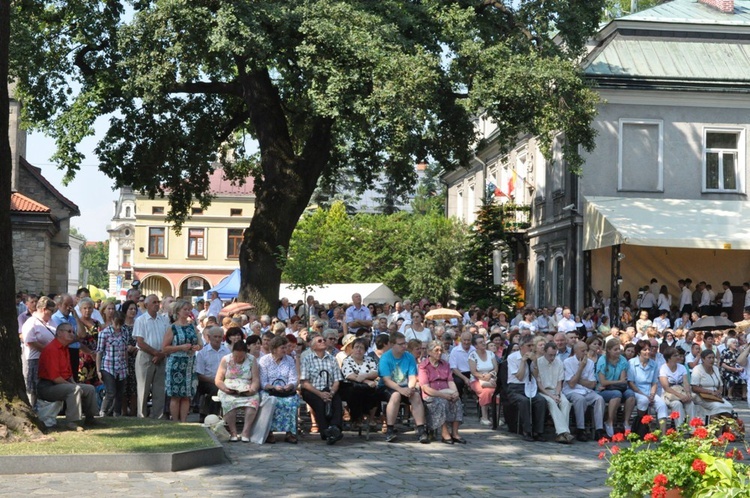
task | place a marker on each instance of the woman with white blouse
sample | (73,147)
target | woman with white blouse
(483,367)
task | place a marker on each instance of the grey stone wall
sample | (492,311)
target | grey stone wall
(31,259)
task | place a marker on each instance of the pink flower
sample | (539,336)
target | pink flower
(601,455)
(616,449)
(603,441)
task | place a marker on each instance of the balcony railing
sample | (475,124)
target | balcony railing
(516,217)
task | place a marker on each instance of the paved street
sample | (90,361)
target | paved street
(492,463)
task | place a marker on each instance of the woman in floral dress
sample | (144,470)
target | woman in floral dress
(278,374)
(181,342)
(88,336)
(130,400)
(238,381)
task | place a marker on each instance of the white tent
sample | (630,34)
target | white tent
(342,293)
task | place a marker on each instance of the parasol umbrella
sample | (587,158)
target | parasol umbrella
(713,323)
(442,314)
(233,308)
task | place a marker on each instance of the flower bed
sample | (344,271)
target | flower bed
(694,459)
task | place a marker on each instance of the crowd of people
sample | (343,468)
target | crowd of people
(370,365)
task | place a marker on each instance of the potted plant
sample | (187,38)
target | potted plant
(691,461)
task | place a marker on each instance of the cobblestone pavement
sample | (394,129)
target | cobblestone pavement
(493,463)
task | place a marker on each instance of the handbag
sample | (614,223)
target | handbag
(620,386)
(672,397)
(710,397)
(283,393)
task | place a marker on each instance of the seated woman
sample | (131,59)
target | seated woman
(483,368)
(612,377)
(676,385)
(359,388)
(706,380)
(731,370)
(643,378)
(440,395)
(278,375)
(253,346)
(233,335)
(238,382)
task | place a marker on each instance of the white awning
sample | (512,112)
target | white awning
(692,224)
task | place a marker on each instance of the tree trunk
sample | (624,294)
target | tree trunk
(16,415)
(281,193)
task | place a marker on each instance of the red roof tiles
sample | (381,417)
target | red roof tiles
(21,203)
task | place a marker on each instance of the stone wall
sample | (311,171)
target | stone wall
(31,260)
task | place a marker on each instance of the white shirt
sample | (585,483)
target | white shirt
(566,325)
(686,297)
(747,297)
(514,364)
(727,300)
(151,329)
(207,360)
(664,302)
(459,358)
(705,298)
(648,300)
(550,374)
(285,314)
(35,330)
(571,368)
(215,307)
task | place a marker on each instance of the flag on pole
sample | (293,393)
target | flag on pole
(494,189)
(512,184)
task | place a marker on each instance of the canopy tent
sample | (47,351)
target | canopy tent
(688,223)
(228,288)
(342,293)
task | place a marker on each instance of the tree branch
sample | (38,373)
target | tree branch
(485,4)
(207,87)
(236,120)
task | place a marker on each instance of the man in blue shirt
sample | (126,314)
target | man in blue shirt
(398,381)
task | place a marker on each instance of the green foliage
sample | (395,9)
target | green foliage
(94,258)
(413,254)
(476,282)
(187,83)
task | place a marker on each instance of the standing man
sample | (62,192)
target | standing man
(704,305)
(398,382)
(686,297)
(215,308)
(727,299)
(285,311)
(206,364)
(150,367)
(56,381)
(357,316)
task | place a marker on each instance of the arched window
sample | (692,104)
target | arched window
(541,283)
(127,211)
(559,276)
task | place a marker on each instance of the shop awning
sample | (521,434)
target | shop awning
(692,224)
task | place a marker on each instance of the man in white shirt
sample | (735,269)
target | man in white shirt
(704,306)
(566,323)
(459,362)
(578,387)
(285,311)
(727,299)
(150,364)
(746,288)
(215,308)
(661,322)
(206,364)
(551,376)
(686,297)
(357,316)
(648,301)
(523,391)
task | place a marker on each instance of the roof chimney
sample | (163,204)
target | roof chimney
(725,6)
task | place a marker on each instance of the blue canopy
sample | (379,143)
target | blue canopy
(228,288)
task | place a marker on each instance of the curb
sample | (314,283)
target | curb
(115,462)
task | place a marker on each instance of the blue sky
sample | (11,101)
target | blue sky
(91,189)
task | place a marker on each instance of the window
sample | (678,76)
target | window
(557,168)
(126,258)
(127,211)
(156,242)
(541,283)
(471,201)
(196,242)
(723,160)
(559,296)
(640,165)
(196,210)
(157,209)
(234,240)
(460,205)
(235,212)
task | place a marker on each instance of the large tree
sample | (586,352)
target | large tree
(317,84)
(16,416)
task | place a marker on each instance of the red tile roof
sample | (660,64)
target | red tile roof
(222,186)
(21,203)
(37,172)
